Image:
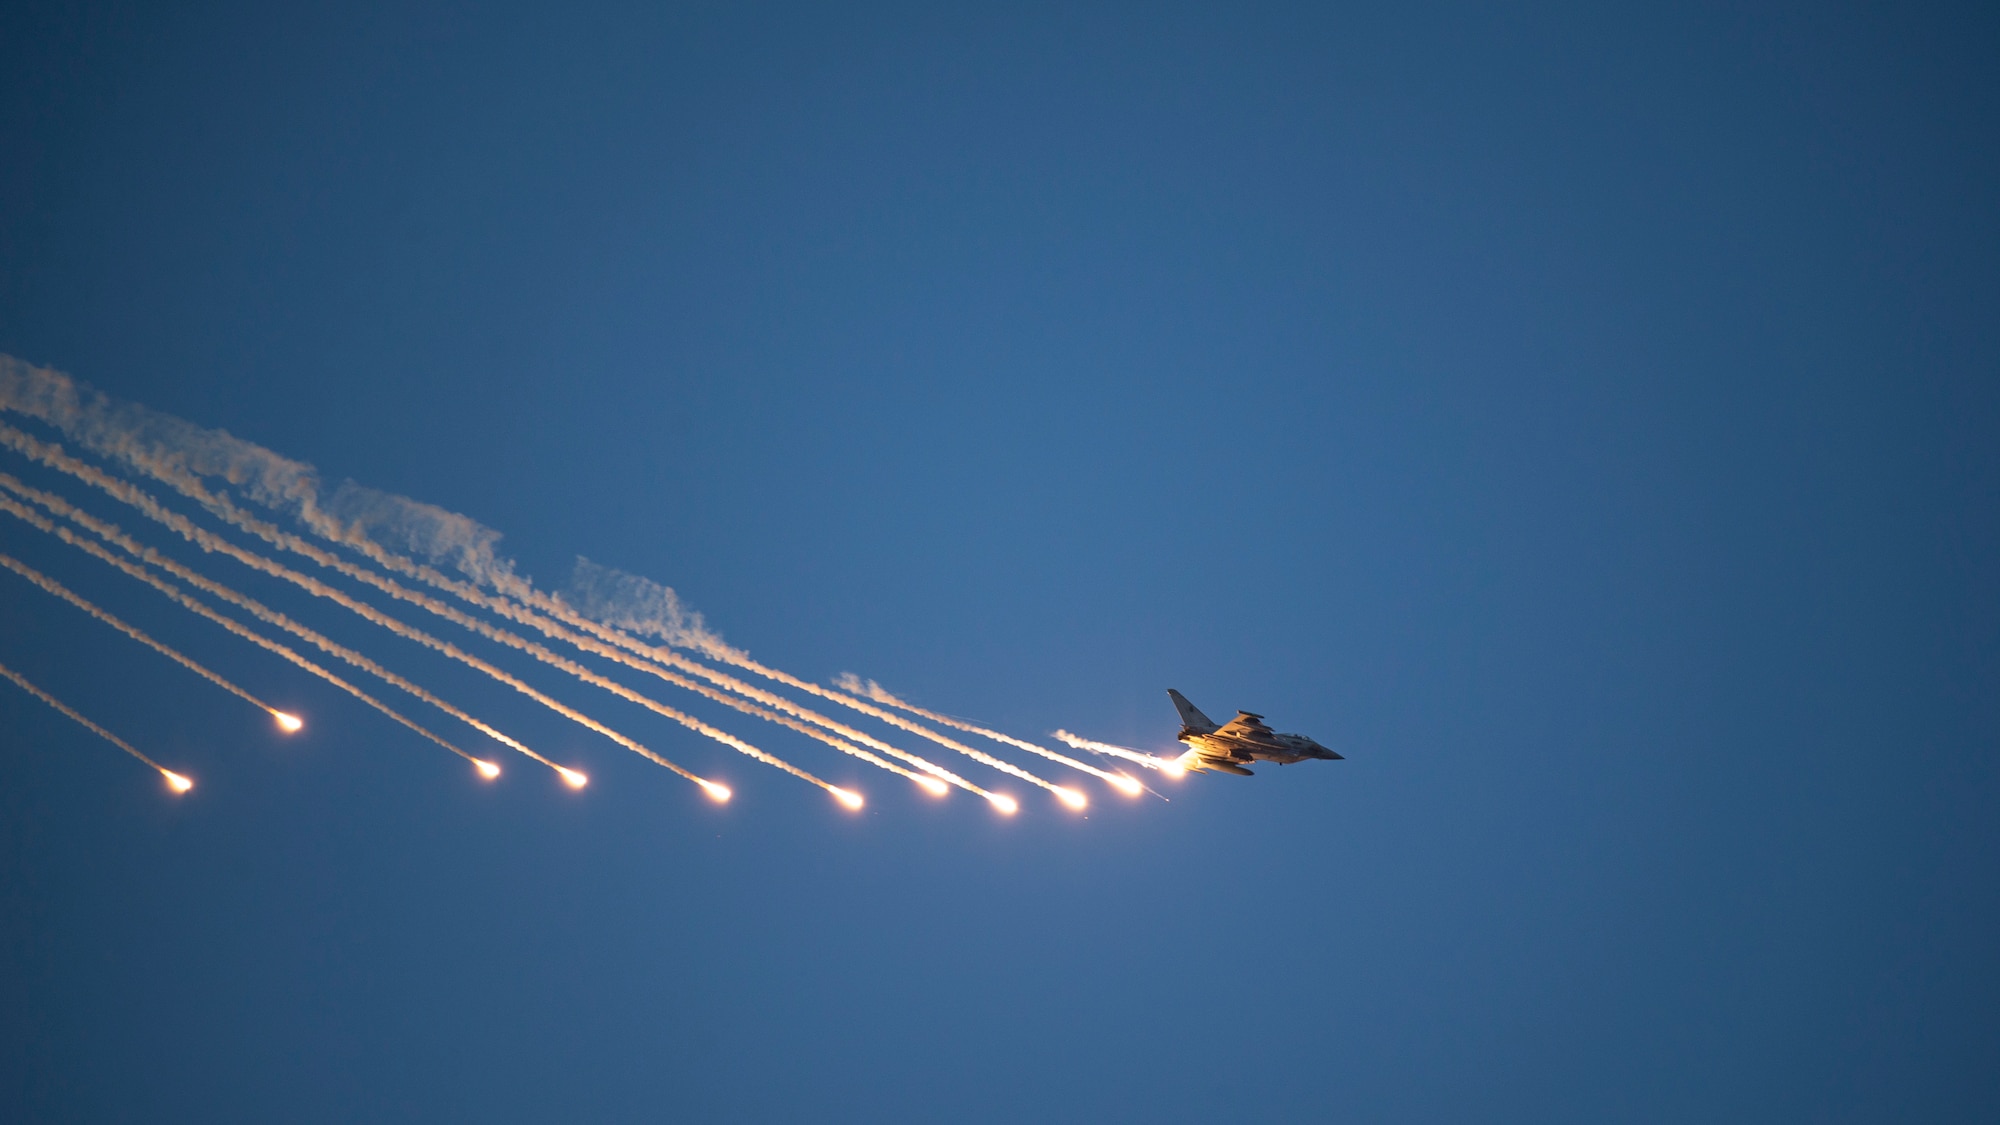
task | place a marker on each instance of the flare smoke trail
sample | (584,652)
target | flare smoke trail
(1169,765)
(79,601)
(176,782)
(776,708)
(179,453)
(1065,794)
(852,683)
(158,443)
(181,598)
(933,774)
(654,657)
(173,450)
(111,534)
(772,703)
(632,613)
(748,708)
(53,456)
(654,662)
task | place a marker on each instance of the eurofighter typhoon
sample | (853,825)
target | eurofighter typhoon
(1240,741)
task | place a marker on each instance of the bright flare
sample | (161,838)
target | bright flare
(290,724)
(574,779)
(1071,797)
(1004,803)
(1172,767)
(487,770)
(176,782)
(1128,785)
(720,793)
(847,797)
(933,786)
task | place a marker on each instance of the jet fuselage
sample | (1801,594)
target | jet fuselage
(1234,745)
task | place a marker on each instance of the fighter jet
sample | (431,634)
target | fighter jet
(1241,740)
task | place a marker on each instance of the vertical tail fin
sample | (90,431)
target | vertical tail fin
(1191,716)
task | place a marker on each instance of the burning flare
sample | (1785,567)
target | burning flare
(573,778)
(180,784)
(486,769)
(290,724)
(846,797)
(719,793)
(1004,803)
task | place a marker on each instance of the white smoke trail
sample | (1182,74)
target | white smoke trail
(652,660)
(157,443)
(850,682)
(52,586)
(52,456)
(1068,796)
(111,534)
(748,708)
(177,452)
(1150,761)
(177,782)
(633,604)
(221,506)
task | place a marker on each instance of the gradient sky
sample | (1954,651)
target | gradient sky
(1586,421)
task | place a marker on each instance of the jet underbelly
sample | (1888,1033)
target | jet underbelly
(1227,748)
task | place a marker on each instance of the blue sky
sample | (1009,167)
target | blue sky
(1585,421)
